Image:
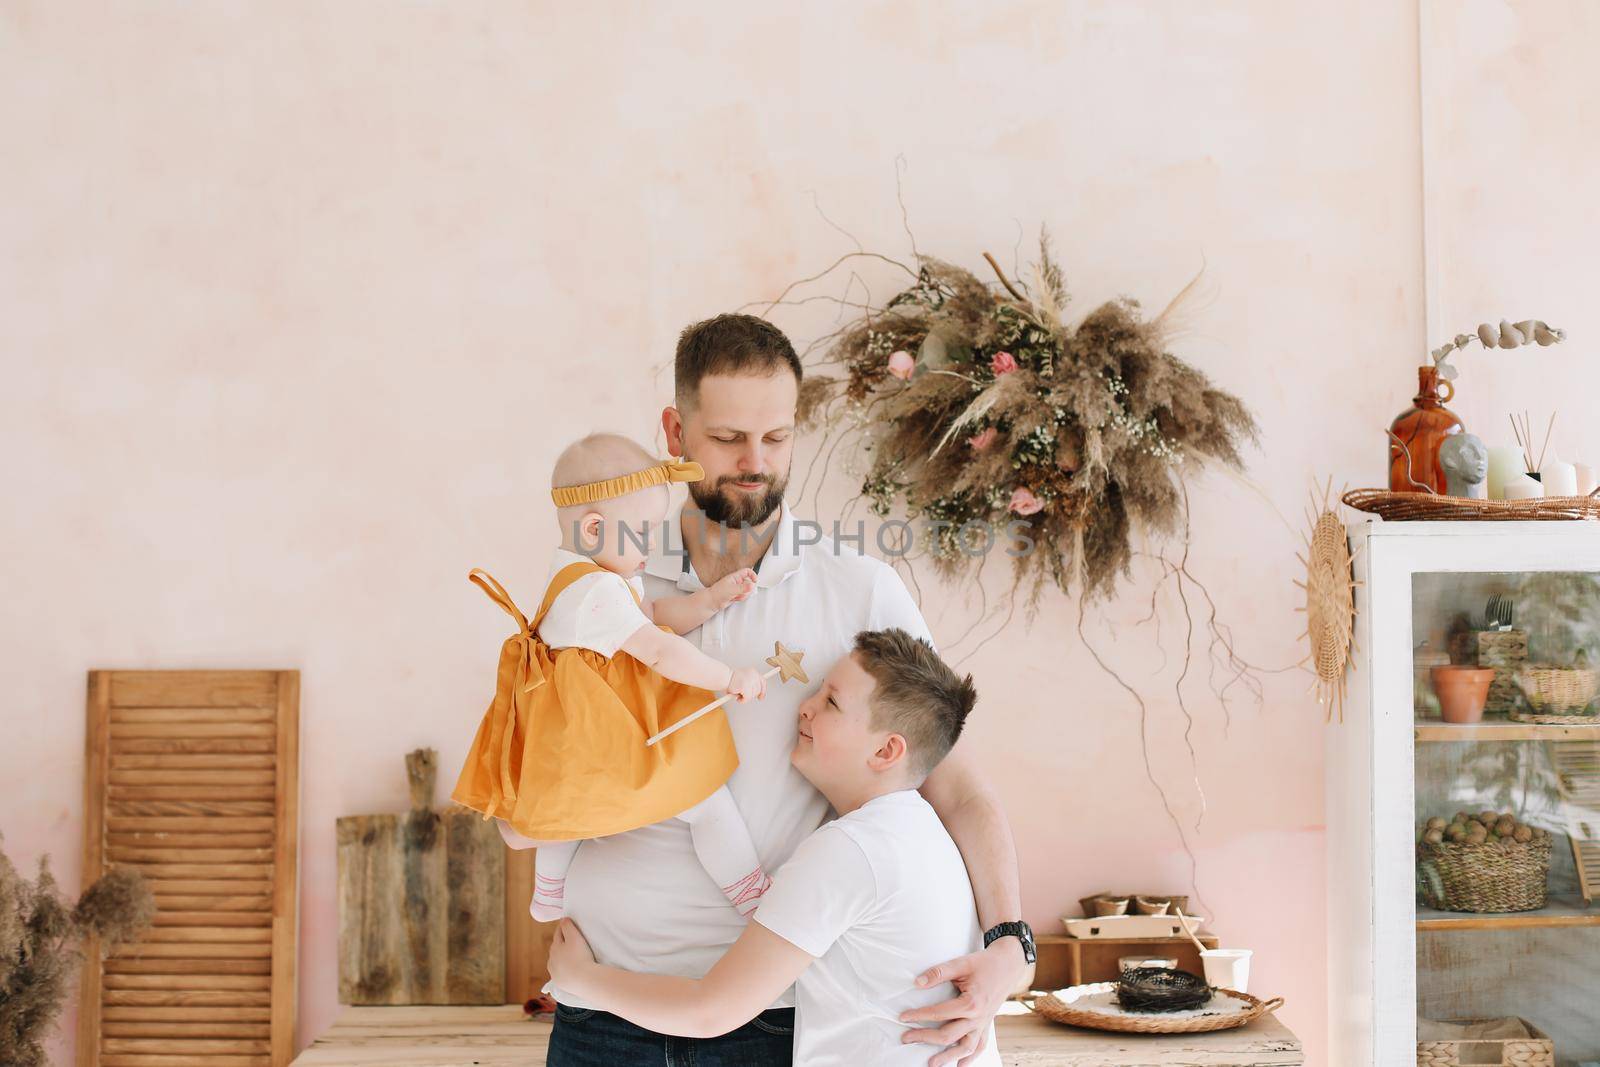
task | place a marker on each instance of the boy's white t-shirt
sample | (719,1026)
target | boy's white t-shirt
(596,612)
(877,896)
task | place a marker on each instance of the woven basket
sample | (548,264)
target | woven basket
(1495,876)
(1535,1051)
(1556,694)
(1413,507)
(1507,652)
(1057,1010)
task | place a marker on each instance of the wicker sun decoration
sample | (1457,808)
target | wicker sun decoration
(1330,605)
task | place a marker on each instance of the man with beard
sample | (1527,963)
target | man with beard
(641,898)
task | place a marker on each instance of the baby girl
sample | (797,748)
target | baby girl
(560,755)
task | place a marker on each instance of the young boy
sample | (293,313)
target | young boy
(866,904)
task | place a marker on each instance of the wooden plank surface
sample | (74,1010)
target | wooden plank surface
(1559,911)
(200,689)
(527,942)
(501,1037)
(1505,731)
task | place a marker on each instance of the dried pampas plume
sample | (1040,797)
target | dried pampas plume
(41,935)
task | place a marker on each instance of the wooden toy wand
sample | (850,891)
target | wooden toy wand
(785,663)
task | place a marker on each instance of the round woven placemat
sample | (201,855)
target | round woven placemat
(1412,507)
(1057,1010)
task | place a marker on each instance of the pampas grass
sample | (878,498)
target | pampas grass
(41,934)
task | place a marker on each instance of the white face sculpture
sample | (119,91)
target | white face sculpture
(1465,457)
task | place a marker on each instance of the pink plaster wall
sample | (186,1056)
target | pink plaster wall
(299,300)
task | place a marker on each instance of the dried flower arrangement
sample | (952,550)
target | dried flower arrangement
(1506,335)
(979,407)
(40,938)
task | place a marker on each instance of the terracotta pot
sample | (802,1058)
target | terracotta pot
(1462,692)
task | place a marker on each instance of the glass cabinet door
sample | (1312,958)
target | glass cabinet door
(1507,802)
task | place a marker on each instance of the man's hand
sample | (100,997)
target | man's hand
(570,956)
(733,588)
(983,981)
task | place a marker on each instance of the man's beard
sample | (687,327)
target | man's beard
(744,509)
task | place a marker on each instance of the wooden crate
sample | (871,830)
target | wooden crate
(192,777)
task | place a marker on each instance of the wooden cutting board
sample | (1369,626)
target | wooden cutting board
(421,903)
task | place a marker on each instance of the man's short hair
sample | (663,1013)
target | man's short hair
(917,695)
(729,344)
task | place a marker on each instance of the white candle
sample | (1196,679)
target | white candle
(1504,465)
(1522,487)
(1585,478)
(1560,479)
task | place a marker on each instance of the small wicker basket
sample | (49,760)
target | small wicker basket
(1556,694)
(1535,1050)
(1495,876)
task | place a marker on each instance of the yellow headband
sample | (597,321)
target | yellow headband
(668,470)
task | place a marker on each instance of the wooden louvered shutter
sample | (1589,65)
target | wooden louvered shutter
(193,778)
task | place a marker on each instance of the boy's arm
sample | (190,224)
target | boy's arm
(971,814)
(748,978)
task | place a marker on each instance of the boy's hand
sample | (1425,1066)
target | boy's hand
(734,588)
(570,955)
(746,683)
(983,981)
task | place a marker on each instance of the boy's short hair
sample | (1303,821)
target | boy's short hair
(917,695)
(729,344)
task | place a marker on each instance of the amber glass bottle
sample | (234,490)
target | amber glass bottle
(1422,428)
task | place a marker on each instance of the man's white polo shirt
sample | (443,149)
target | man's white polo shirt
(641,898)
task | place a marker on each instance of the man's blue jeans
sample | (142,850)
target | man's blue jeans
(584,1038)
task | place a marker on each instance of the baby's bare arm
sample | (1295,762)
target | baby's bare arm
(672,656)
(680,614)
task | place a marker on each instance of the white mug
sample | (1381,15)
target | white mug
(1227,968)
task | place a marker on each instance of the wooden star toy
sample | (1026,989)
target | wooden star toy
(788,664)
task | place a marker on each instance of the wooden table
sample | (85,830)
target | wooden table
(493,1036)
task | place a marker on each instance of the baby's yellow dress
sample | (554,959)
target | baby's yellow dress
(561,754)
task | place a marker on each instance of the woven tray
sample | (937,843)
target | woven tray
(1078,1007)
(1413,507)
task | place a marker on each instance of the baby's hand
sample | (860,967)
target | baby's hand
(747,684)
(734,588)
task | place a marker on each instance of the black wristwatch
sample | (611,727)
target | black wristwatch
(1019,930)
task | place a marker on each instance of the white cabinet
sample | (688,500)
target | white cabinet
(1424,592)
